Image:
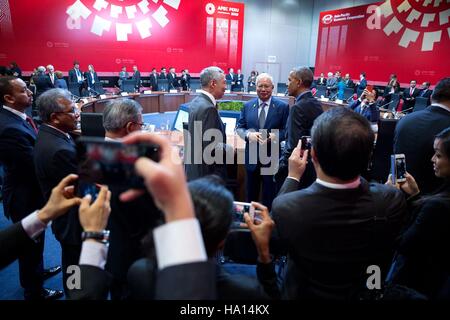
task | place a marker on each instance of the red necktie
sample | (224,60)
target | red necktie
(411,91)
(32,124)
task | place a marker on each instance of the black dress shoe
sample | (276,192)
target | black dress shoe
(48,273)
(45,294)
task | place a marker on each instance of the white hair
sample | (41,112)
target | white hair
(264,76)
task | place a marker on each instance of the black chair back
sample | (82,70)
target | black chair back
(163,85)
(281,87)
(348,92)
(92,125)
(421,103)
(384,148)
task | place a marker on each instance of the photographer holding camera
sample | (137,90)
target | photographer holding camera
(366,105)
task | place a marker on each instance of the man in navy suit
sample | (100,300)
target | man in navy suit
(409,96)
(154,80)
(262,125)
(301,118)
(21,189)
(76,77)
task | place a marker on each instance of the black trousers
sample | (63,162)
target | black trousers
(70,256)
(31,267)
(260,184)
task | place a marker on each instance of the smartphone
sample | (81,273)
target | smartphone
(110,163)
(306,143)
(239,208)
(398,168)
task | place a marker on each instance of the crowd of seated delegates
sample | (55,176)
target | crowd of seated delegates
(331,266)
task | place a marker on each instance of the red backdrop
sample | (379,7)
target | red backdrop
(405,37)
(112,33)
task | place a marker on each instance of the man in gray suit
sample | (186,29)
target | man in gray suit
(206,145)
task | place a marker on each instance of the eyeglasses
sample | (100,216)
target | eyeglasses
(73,111)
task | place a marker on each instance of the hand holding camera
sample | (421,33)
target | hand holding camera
(299,158)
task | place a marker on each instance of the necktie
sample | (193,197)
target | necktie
(262,116)
(411,92)
(32,124)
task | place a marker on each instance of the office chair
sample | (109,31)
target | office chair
(92,125)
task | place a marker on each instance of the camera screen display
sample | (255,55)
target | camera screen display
(306,143)
(110,163)
(401,168)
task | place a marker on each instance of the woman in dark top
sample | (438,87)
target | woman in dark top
(60,82)
(423,260)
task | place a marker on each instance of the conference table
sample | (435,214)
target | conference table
(163,101)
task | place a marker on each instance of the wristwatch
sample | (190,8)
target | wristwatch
(100,236)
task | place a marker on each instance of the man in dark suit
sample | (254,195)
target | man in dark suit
(239,80)
(154,80)
(185,80)
(92,79)
(426,92)
(172,79)
(409,96)
(231,78)
(348,82)
(332,86)
(55,157)
(262,125)
(129,221)
(42,81)
(414,136)
(76,77)
(204,116)
(123,75)
(137,78)
(321,81)
(361,84)
(51,75)
(163,73)
(342,224)
(21,193)
(301,118)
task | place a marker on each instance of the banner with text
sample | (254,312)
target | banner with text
(409,38)
(113,33)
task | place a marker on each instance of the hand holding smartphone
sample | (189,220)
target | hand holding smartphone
(239,208)
(398,168)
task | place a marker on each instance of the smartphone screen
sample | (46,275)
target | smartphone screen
(306,143)
(110,163)
(398,168)
(239,208)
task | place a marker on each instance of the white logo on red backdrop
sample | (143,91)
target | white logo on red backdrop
(109,13)
(427,17)
(210,8)
(327,19)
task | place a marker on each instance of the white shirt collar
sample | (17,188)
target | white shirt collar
(441,106)
(209,95)
(268,102)
(18,113)
(111,139)
(351,185)
(65,133)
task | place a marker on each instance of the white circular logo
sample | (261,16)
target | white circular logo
(118,61)
(49,44)
(327,19)
(210,8)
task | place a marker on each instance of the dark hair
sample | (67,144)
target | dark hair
(3,71)
(6,87)
(213,205)
(363,74)
(343,143)
(441,92)
(441,193)
(76,62)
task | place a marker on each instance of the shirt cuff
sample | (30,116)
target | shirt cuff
(94,253)
(293,178)
(32,225)
(179,242)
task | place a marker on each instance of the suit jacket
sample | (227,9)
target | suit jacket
(137,78)
(55,78)
(123,75)
(89,78)
(240,80)
(349,83)
(21,192)
(414,137)
(423,245)
(369,112)
(333,235)
(172,80)
(275,119)
(321,81)
(197,279)
(301,118)
(154,81)
(42,83)
(55,157)
(332,84)
(362,84)
(410,99)
(426,93)
(13,242)
(185,82)
(73,76)
(202,110)
(141,280)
